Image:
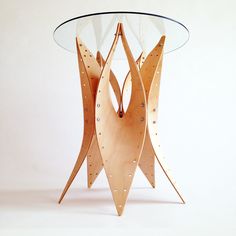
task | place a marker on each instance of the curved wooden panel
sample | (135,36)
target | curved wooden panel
(151,74)
(147,159)
(90,71)
(120,139)
(89,75)
(94,159)
(94,162)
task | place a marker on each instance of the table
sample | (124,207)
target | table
(121,134)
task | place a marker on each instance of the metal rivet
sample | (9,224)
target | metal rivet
(98,119)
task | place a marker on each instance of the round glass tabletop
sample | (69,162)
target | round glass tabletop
(142,30)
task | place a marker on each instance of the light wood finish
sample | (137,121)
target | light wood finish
(123,139)
(94,159)
(89,76)
(90,70)
(94,162)
(152,69)
(147,159)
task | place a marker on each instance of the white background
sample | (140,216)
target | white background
(41,126)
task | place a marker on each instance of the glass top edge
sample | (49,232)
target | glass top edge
(121,12)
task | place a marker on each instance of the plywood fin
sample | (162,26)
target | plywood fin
(120,161)
(152,69)
(89,80)
(147,159)
(94,162)
(94,159)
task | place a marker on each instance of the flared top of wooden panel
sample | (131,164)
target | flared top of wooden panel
(143,31)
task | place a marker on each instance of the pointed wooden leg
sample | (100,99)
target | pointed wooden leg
(147,159)
(94,162)
(89,75)
(152,69)
(122,138)
(94,159)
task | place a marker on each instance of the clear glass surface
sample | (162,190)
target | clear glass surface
(142,30)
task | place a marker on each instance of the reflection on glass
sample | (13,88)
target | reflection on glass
(143,31)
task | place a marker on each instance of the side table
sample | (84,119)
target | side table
(119,138)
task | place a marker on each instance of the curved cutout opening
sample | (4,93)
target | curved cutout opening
(120,68)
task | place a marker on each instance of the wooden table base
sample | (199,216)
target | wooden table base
(120,140)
